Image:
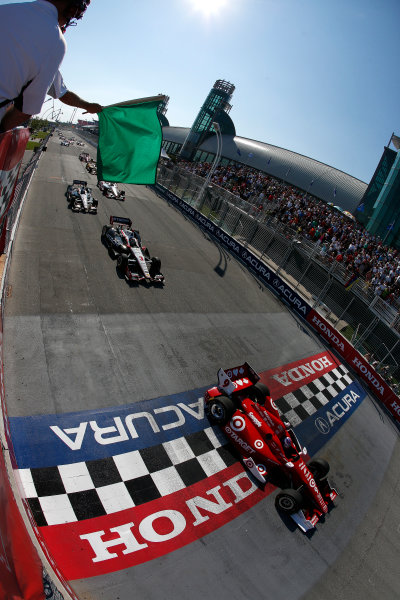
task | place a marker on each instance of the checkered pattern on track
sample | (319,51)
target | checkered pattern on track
(94,488)
(84,490)
(306,400)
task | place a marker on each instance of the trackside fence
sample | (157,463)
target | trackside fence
(354,322)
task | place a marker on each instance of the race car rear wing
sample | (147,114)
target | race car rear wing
(120,220)
(241,371)
(79,182)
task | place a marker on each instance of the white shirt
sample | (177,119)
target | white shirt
(31,47)
(57,88)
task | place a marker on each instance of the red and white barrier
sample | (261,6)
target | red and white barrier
(357,362)
(12,148)
(20,568)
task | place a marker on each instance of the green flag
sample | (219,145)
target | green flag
(129,145)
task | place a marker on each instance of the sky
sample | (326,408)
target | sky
(318,78)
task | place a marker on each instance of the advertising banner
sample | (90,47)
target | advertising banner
(115,488)
(357,362)
(12,148)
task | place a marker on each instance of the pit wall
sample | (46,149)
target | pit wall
(23,575)
(295,302)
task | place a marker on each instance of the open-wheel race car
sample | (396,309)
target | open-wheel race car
(91,167)
(110,190)
(85,157)
(80,197)
(268,447)
(133,259)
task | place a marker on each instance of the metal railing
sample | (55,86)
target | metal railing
(370,323)
(23,182)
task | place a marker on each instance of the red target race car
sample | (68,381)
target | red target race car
(242,406)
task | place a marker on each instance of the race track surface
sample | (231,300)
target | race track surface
(78,340)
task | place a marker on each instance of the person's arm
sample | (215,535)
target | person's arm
(72,99)
(13,118)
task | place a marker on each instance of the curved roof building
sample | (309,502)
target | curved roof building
(320,180)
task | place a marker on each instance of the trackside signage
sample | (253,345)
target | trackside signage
(134,536)
(157,485)
(48,440)
(89,435)
(283,380)
(323,424)
(357,362)
(266,275)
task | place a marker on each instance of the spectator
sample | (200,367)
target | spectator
(341,240)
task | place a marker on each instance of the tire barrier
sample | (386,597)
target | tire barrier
(354,359)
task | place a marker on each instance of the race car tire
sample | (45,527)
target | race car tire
(122,262)
(146,253)
(104,232)
(220,410)
(289,501)
(319,468)
(261,392)
(155,266)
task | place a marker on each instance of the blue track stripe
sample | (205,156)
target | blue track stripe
(37,445)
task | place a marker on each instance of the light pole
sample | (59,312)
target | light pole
(214,165)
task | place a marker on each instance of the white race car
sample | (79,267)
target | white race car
(110,190)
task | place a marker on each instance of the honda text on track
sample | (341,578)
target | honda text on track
(133,259)
(242,406)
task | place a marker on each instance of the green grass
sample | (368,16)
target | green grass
(31,145)
(40,134)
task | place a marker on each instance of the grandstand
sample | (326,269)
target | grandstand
(320,180)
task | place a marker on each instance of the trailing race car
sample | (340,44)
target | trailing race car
(110,190)
(133,259)
(64,143)
(91,167)
(85,157)
(80,197)
(268,446)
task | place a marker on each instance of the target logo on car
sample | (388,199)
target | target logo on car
(262,469)
(238,423)
(258,444)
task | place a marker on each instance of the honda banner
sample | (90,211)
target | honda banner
(357,362)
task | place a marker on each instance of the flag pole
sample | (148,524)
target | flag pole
(158,98)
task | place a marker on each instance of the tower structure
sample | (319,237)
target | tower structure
(215,108)
(161,110)
(379,209)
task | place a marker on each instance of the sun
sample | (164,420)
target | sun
(209,7)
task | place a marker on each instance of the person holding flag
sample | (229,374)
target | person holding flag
(32,47)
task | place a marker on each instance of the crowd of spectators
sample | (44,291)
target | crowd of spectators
(339,237)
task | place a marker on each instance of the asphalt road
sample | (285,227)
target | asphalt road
(78,336)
